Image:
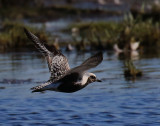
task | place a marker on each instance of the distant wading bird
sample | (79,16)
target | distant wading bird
(64,79)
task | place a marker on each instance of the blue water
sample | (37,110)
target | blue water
(114,102)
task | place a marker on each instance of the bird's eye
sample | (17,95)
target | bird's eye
(92,77)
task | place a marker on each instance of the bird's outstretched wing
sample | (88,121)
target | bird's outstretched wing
(57,62)
(91,62)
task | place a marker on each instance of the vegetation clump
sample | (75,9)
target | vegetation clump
(103,35)
(131,70)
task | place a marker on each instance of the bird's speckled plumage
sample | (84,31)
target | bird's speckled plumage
(57,62)
(63,78)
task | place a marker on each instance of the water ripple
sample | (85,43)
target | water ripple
(114,102)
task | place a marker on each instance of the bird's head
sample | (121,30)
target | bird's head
(92,78)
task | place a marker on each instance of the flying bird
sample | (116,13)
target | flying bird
(64,79)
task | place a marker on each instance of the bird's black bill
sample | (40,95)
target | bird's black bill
(98,80)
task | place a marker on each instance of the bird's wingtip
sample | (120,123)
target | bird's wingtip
(25,30)
(100,54)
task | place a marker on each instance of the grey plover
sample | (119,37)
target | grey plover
(64,79)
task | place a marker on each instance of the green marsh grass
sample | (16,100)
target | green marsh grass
(106,34)
(12,35)
(131,70)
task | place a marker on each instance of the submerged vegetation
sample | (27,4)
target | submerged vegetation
(131,71)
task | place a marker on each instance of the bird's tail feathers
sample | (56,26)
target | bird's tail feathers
(41,87)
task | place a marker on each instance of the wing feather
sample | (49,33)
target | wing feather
(57,62)
(91,62)
(38,44)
